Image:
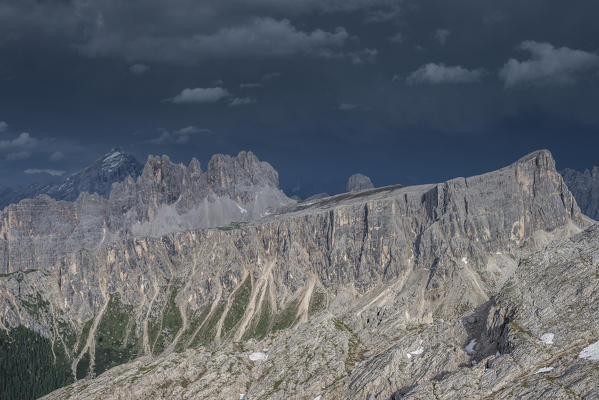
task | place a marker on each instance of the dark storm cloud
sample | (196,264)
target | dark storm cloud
(260,37)
(81,75)
(184,31)
(548,65)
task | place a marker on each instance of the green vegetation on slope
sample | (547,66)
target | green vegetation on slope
(194,320)
(207,332)
(318,302)
(83,366)
(113,345)
(241,298)
(27,367)
(35,306)
(261,326)
(171,323)
(286,317)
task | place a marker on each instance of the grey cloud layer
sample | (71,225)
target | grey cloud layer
(19,148)
(547,65)
(261,37)
(24,140)
(439,73)
(25,146)
(53,172)
(179,136)
(184,31)
(200,95)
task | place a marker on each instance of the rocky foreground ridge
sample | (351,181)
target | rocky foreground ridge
(425,291)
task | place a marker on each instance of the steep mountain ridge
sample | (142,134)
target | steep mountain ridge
(585,188)
(396,257)
(113,166)
(167,197)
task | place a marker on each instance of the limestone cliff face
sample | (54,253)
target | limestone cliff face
(358,182)
(585,188)
(167,197)
(431,249)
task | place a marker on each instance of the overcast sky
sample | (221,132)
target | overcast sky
(411,91)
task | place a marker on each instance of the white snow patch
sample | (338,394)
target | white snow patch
(547,338)
(498,354)
(416,352)
(544,369)
(112,160)
(498,253)
(590,352)
(464,260)
(318,397)
(243,210)
(258,356)
(242,396)
(469,349)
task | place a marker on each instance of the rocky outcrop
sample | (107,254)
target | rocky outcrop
(358,182)
(394,257)
(585,188)
(167,197)
(114,166)
(473,288)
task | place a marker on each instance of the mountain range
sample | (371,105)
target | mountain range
(114,166)
(186,284)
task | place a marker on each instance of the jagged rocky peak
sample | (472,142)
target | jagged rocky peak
(194,167)
(114,166)
(223,172)
(167,197)
(246,169)
(358,182)
(585,188)
(116,158)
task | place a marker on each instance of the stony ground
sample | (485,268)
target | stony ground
(527,342)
